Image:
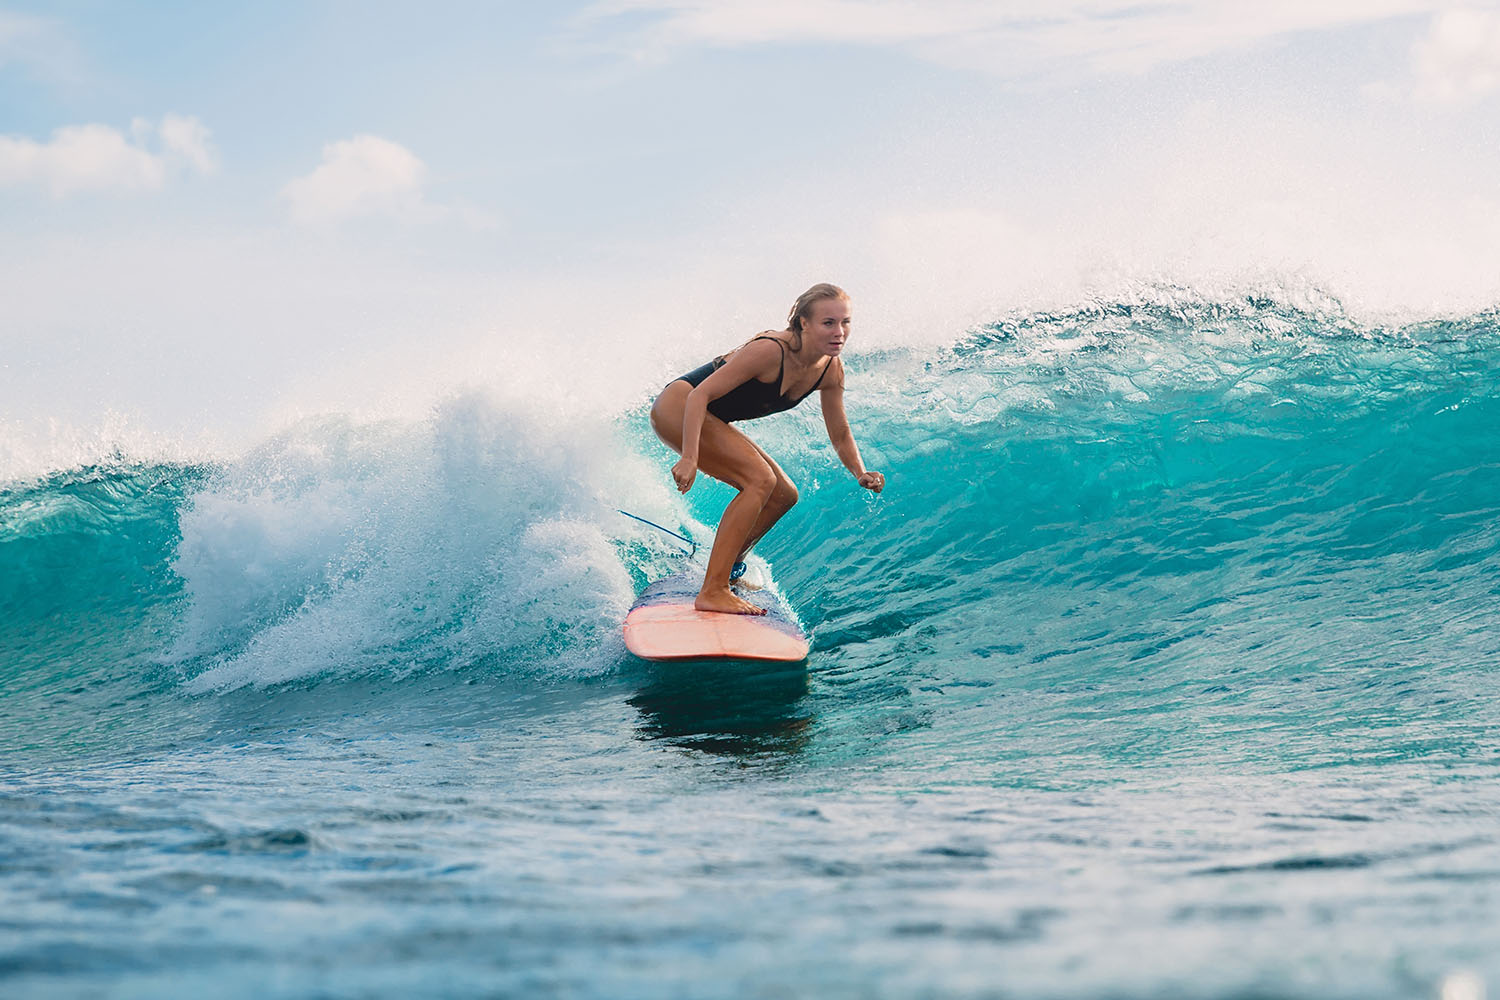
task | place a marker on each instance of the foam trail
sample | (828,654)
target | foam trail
(478,536)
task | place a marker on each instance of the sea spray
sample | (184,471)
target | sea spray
(480,535)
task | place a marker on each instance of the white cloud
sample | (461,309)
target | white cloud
(1010,39)
(96,157)
(16,32)
(41,48)
(362,176)
(188,138)
(1459,59)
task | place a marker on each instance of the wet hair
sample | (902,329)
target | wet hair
(802,308)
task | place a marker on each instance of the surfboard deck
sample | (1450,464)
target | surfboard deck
(664,625)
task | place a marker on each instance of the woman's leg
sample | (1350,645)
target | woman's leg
(783,497)
(733,459)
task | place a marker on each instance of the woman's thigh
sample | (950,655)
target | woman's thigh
(666,413)
(723,452)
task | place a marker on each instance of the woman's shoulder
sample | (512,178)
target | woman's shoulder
(759,353)
(834,377)
(760,345)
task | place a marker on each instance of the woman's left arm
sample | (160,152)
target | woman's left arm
(839,433)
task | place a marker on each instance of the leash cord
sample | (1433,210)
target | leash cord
(691,552)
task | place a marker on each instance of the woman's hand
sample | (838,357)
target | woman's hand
(872,481)
(684,472)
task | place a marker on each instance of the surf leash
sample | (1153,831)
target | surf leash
(691,552)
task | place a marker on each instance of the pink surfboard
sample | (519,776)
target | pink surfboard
(664,625)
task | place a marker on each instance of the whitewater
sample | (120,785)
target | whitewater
(1165,666)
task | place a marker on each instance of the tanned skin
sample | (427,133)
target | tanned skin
(764,494)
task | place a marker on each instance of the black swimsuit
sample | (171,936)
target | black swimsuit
(754,398)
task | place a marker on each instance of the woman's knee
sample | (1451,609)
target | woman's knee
(785,495)
(759,483)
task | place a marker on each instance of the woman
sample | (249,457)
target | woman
(770,373)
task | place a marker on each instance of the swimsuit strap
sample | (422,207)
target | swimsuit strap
(780,372)
(819,382)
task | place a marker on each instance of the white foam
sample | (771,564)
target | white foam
(30,451)
(484,533)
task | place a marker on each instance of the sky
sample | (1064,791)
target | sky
(216,218)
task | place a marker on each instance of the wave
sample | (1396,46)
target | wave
(481,536)
(1166,479)
(84,554)
(1241,516)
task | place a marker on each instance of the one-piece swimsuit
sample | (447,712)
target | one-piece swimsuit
(753,398)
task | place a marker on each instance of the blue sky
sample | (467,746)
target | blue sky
(216,216)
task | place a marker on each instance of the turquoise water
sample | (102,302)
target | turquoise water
(1165,667)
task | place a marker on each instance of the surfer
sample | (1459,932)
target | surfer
(771,372)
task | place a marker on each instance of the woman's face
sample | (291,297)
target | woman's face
(826,330)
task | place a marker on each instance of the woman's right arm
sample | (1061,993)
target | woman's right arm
(756,359)
(696,409)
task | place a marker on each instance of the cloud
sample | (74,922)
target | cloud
(40,48)
(21,36)
(81,158)
(1459,59)
(362,176)
(187,138)
(17,33)
(1011,39)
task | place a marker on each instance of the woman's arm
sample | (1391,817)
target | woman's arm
(756,359)
(841,436)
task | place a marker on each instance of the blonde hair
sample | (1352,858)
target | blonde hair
(802,308)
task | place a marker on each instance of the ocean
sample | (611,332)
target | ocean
(1165,667)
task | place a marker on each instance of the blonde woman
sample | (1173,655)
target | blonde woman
(773,371)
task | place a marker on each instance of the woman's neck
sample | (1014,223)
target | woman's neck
(804,354)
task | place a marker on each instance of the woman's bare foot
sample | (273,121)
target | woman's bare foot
(724,600)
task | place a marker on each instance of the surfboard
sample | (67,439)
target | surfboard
(664,625)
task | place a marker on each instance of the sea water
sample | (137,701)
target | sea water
(1166,666)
